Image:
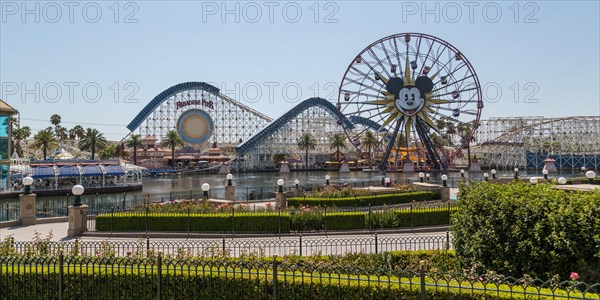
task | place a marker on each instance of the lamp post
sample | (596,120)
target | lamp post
(427,177)
(562,180)
(590,176)
(533,180)
(388,181)
(229,178)
(462,173)
(493,171)
(77,191)
(280,185)
(485,176)
(516,173)
(421,175)
(327,177)
(444,180)
(205,188)
(545,172)
(27,182)
(583,169)
(297,182)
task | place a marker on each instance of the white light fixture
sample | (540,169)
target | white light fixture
(444,180)
(280,184)
(421,175)
(77,190)
(493,171)
(562,180)
(533,180)
(590,176)
(545,172)
(297,182)
(485,176)
(205,188)
(27,182)
(327,179)
(229,178)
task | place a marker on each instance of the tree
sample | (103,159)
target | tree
(337,141)
(78,131)
(135,142)
(172,140)
(45,140)
(369,140)
(93,140)
(55,119)
(307,142)
(60,132)
(108,151)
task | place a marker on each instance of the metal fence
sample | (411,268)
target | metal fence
(185,218)
(158,277)
(233,247)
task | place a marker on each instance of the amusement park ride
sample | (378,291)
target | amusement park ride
(417,90)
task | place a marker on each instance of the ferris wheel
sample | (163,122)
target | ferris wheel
(419,94)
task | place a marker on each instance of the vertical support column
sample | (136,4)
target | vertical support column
(76,220)
(28,208)
(230,192)
(280,201)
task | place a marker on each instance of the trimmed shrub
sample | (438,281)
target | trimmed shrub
(374,200)
(520,228)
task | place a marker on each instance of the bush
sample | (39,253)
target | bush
(293,219)
(520,228)
(374,200)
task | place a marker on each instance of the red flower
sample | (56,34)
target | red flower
(574,276)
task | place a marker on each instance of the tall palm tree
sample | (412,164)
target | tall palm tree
(78,131)
(370,140)
(337,141)
(45,140)
(135,142)
(93,140)
(55,119)
(172,140)
(307,142)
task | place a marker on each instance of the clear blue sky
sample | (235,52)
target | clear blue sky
(548,51)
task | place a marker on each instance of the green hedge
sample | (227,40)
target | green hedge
(374,200)
(272,222)
(242,222)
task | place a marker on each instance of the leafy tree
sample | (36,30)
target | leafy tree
(337,141)
(60,132)
(370,141)
(172,140)
(45,140)
(135,142)
(108,151)
(307,142)
(93,140)
(520,228)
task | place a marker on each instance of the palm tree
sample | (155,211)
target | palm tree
(337,141)
(55,119)
(307,142)
(78,131)
(172,140)
(135,142)
(370,140)
(93,140)
(44,139)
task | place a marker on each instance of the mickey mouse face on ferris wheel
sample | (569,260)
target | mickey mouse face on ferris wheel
(409,99)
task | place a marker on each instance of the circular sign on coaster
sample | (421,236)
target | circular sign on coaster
(195,126)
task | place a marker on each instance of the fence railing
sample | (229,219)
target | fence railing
(232,247)
(184,218)
(159,277)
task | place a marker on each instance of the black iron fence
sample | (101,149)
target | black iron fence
(231,247)
(158,277)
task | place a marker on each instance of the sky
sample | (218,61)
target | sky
(98,63)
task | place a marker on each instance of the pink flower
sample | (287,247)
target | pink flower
(574,276)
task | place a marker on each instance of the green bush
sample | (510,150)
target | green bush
(520,228)
(374,200)
(301,219)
